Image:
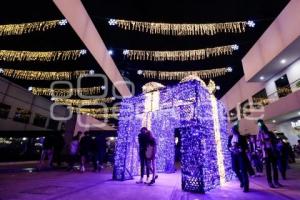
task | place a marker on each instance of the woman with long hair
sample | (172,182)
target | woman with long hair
(150,156)
(267,141)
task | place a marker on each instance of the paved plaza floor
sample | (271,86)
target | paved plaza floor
(51,185)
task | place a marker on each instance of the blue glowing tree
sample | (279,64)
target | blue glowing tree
(192,108)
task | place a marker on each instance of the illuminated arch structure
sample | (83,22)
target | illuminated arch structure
(191,107)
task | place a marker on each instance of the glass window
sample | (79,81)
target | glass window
(245,109)
(39,120)
(4,110)
(233,115)
(53,124)
(22,115)
(260,99)
(283,86)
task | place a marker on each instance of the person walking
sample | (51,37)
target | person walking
(254,155)
(150,156)
(267,141)
(143,141)
(73,151)
(237,145)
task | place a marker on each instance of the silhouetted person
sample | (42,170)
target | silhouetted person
(268,142)
(59,145)
(143,141)
(99,145)
(237,145)
(283,151)
(73,151)
(150,156)
(48,147)
(84,149)
(253,151)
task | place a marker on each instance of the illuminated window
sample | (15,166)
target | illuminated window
(22,115)
(39,120)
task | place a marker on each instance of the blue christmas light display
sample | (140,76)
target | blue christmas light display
(191,108)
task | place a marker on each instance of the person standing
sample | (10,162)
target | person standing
(283,151)
(84,150)
(150,156)
(267,141)
(73,151)
(237,145)
(48,148)
(143,141)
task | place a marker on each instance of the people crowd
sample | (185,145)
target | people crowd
(263,150)
(256,151)
(80,150)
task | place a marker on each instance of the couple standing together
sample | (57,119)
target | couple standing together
(147,151)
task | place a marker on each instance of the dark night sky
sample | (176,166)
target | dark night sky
(188,11)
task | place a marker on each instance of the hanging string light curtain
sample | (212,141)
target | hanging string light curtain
(25,28)
(43,75)
(179,75)
(185,55)
(182,29)
(64,92)
(45,56)
(83,102)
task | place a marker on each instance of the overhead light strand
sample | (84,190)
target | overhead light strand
(25,28)
(182,55)
(45,56)
(43,75)
(182,29)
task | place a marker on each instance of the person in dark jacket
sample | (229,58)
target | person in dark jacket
(85,146)
(143,142)
(267,142)
(237,145)
(99,152)
(283,154)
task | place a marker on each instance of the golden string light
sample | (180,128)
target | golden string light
(179,75)
(184,55)
(103,116)
(43,75)
(25,28)
(65,92)
(95,110)
(83,102)
(46,56)
(182,29)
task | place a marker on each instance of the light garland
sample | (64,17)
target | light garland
(182,29)
(25,28)
(43,75)
(83,102)
(178,75)
(64,92)
(46,56)
(183,55)
(102,116)
(95,110)
(205,159)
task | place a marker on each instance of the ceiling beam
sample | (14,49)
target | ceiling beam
(80,21)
